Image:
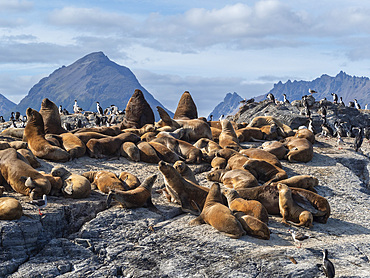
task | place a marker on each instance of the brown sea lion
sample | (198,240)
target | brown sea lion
(134,198)
(10,209)
(260,121)
(290,210)
(105,130)
(4,145)
(302,181)
(130,151)
(164,153)
(218,215)
(105,181)
(21,176)
(28,155)
(56,184)
(138,112)
(271,132)
(141,131)
(235,160)
(110,146)
(300,149)
(253,226)
(218,163)
(207,146)
(35,135)
(215,133)
(16,132)
(51,117)
(261,155)
(73,145)
(131,180)
(185,171)
(228,138)
(87,135)
(265,171)
(186,108)
(149,136)
(305,133)
(276,148)
(234,178)
(74,186)
(18,145)
(248,134)
(251,207)
(147,153)
(190,195)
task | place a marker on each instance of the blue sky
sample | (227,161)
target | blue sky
(209,48)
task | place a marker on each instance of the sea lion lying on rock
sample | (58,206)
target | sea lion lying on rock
(130,151)
(28,155)
(276,148)
(218,163)
(35,135)
(253,226)
(207,146)
(74,186)
(105,181)
(300,149)
(16,132)
(218,215)
(260,121)
(22,177)
(147,153)
(185,171)
(131,180)
(10,209)
(261,155)
(248,134)
(164,153)
(234,178)
(235,160)
(302,181)
(104,130)
(305,133)
(265,171)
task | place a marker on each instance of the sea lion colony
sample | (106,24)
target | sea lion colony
(253,183)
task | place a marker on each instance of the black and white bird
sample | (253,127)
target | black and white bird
(327,265)
(341,102)
(12,116)
(351,104)
(76,108)
(60,110)
(298,237)
(271,97)
(359,139)
(310,126)
(17,116)
(312,91)
(285,99)
(357,105)
(113,109)
(2,119)
(99,109)
(210,118)
(40,204)
(335,98)
(221,117)
(365,108)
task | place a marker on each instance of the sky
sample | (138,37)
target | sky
(209,48)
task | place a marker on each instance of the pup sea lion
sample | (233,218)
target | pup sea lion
(190,195)
(276,148)
(251,207)
(51,117)
(21,176)
(265,171)
(302,181)
(147,153)
(207,146)
(300,149)
(130,151)
(35,135)
(218,163)
(218,215)
(74,186)
(253,226)
(186,108)
(105,181)
(185,171)
(134,198)
(28,155)
(290,210)
(261,155)
(164,153)
(234,178)
(131,180)
(10,209)
(228,138)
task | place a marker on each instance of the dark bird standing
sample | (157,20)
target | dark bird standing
(40,204)
(327,265)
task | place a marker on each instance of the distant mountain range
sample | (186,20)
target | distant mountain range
(229,106)
(88,80)
(6,105)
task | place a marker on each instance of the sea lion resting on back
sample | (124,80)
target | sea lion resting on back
(35,135)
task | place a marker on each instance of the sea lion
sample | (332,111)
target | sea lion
(4,145)
(207,146)
(251,207)
(35,135)
(261,155)
(302,181)
(228,138)
(105,181)
(87,135)
(300,149)
(105,130)
(190,195)
(51,117)
(290,210)
(130,151)
(110,146)
(271,132)
(248,134)
(218,163)
(215,133)
(131,180)
(28,155)
(56,184)
(305,133)
(253,226)
(147,153)
(74,186)
(149,136)
(16,132)
(10,209)
(21,176)
(185,171)
(138,112)
(164,153)
(276,148)
(73,145)
(134,198)
(18,145)
(141,131)
(186,108)
(234,178)
(218,215)
(264,171)
(260,121)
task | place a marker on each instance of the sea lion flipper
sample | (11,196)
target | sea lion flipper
(197,221)
(109,199)
(186,206)
(303,202)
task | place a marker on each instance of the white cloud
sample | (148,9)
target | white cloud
(15,5)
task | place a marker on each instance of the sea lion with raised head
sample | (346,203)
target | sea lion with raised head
(228,138)
(186,108)
(234,178)
(218,215)
(185,171)
(51,117)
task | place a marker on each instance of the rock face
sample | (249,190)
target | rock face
(229,106)
(81,238)
(90,79)
(5,105)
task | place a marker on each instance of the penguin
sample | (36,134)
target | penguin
(326,129)
(60,110)
(341,102)
(67,126)
(304,101)
(13,124)
(285,99)
(323,112)
(335,98)
(307,112)
(78,123)
(357,105)
(97,120)
(210,118)
(327,265)
(99,109)
(271,97)
(114,109)
(359,139)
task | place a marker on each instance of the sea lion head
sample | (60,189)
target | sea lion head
(215,175)
(59,171)
(180,166)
